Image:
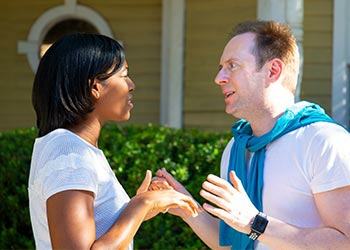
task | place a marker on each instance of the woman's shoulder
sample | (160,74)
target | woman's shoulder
(62,142)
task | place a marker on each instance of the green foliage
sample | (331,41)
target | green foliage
(15,153)
(190,155)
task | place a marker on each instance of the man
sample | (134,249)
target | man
(285,174)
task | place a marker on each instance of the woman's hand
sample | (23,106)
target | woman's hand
(163,197)
(165,181)
(163,200)
(145,183)
(144,187)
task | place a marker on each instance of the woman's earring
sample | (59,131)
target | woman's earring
(97,95)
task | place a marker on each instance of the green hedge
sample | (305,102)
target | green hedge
(190,155)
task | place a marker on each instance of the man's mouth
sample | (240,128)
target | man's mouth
(228,94)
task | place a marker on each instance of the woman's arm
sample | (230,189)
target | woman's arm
(71,218)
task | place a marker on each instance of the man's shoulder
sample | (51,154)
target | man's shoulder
(324,130)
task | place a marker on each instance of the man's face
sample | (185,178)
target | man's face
(241,84)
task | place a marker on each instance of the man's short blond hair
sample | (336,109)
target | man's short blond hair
(274,40)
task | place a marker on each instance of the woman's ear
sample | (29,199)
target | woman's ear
(275,69)
(96,89)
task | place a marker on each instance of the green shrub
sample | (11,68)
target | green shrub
(190,155)
(15,153)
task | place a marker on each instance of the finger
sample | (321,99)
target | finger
(169,178)
(217,181)
(173,199)
(157,178)
(216,190)
(188,208)
(145,183)
(159,186)
(218,201)
(165,210)
(160,183)
(221,183)
(192,202)
(154,187)
(172,181)
(236,182)
(220,213)
(160,172)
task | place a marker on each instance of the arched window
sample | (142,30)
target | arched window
(63,19)
(65,27)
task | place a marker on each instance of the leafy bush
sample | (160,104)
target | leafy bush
(190,155)
(15,153)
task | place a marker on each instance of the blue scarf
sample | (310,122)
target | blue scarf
(299,115)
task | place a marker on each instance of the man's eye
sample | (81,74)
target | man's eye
(233,65)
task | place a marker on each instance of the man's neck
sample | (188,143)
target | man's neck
(263,123)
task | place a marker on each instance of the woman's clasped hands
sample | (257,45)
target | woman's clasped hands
(163,197)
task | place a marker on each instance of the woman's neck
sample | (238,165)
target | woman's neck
(88,130)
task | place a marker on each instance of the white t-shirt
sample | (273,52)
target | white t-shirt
(306,161)
(61,160)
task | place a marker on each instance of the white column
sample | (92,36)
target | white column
(290,12)
(173,20)
(341,63)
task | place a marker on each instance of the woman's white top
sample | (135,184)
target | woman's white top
(61,161)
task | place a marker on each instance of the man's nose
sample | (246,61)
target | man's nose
(221,77)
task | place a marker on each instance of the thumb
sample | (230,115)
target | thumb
(172,181)
(145,183)
(236,182)
(169,178)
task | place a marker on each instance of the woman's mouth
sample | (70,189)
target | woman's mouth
(130,101)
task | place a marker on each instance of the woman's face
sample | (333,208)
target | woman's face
(115,100)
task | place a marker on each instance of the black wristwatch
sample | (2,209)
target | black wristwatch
(258,226)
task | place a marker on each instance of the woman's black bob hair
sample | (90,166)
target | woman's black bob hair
(62,89)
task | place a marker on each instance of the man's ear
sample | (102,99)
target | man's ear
(276,67)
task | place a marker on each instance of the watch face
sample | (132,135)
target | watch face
(260,223)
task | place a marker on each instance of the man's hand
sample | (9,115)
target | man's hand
(233,203)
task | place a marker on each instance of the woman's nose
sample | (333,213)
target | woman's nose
(131,85)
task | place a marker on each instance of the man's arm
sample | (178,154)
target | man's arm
(233,208)
(334,208)
(205,226)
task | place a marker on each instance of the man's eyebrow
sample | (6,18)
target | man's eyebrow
(231,59)
(234,59)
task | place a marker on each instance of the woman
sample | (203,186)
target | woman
(76,201)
